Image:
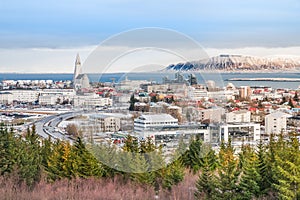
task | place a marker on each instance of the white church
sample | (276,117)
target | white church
(80,80)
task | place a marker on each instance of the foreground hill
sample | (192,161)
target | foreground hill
(238,63)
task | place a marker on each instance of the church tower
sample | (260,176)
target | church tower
(77,69)
(80,80)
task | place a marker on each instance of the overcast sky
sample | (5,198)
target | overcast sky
(44,36)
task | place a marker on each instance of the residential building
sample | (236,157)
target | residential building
(213,115)
(158,88)
(245,92)
(91,100)
(6,97)
(241,116)
(105,123)
(197,93)
(55,96)
(24,95)
(275,123)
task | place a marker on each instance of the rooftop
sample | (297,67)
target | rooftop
(157,118)
(278,114)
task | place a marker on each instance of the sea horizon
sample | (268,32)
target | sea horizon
(221,78)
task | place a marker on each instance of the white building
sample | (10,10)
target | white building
(158,88)
(146,122)
(164,130)
(106,123)
(48,100)
(52,96)
(222,95)
(241,116)
(91,100)
(172,135)
(213,114)
(24,95)
(6,98)
(275,123)
(239,133)
(61,92)
(197,93)
(80,80)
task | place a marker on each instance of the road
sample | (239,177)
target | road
(47,127)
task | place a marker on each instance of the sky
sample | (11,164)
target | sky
(44,36)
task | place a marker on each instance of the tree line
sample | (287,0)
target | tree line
(266,171)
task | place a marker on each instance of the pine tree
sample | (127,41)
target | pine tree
(109,157)
(139,169)
(264,169)
(173,174)
(228,172)
(249,181)
(296,98)
(8,144)
(59,164)
(288,171)
(194,155)
(132,102)
(29,162)
(206,182)
(131,144)
(86,164)
(46,151)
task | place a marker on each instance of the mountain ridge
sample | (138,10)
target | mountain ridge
(227,62)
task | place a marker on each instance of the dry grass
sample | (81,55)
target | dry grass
(107,189)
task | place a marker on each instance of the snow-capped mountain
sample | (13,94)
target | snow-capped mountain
(238,63)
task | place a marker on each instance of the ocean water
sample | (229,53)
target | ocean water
(219,78)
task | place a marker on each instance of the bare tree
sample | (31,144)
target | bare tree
(72,130)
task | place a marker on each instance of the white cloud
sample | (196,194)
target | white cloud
(45,60)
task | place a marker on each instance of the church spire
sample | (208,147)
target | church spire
(77,62)
(77,69)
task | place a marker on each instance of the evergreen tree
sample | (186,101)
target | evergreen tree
(29,161)
(86,164)
(132,101)
(296,98)
(206,182)
(8,144)
(59,164)
(139,169)
(108,155)
(194,155)
(264,169)
(173,173)
(228,172)
(46,151)
(250,178)
(131,144)
(288,171)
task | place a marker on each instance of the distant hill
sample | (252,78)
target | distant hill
(238,63)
